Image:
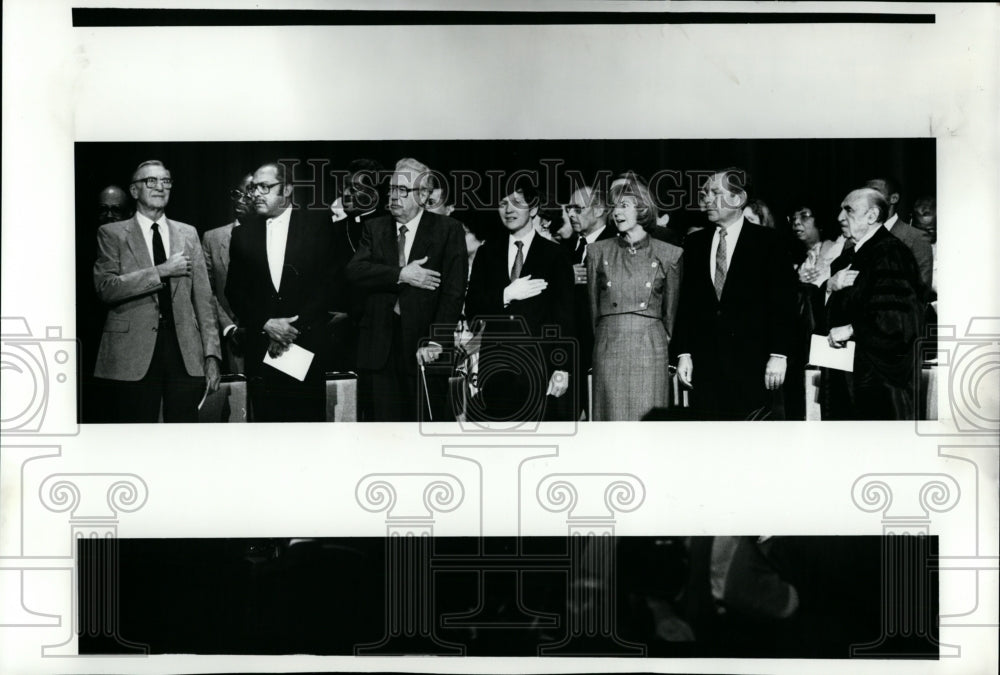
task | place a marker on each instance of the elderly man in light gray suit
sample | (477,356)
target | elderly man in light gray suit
(160,346)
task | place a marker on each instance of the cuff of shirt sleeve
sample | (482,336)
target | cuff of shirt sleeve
(779,356)
(228,329)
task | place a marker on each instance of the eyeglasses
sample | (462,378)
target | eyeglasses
(165,183)
(260,188)
(236,193)
(575,208)
(402,190)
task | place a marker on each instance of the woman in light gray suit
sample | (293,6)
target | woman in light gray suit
(634,282)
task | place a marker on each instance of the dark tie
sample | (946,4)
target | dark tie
(581,249)
(160,257)
(515,271)
(401,245)
(401,249)
(720,264)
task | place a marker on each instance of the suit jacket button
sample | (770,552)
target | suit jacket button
(609,284)
(649,285)
(642,305)
(614,304)
(154,329)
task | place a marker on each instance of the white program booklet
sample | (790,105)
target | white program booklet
(823,355)
(294,362)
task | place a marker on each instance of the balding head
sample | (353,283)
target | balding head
(113,205)
(862,211)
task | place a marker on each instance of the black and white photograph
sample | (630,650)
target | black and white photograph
(470,325)
(438,337)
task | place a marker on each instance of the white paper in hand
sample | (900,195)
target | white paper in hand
(821,354)
(294,362)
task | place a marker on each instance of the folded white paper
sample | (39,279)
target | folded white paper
(821,354)
(294,362)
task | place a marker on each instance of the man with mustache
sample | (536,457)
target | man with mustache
(285,275)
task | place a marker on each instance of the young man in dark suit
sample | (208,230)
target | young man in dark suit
(735,318)
(412,267)
(285,275)
(522,282)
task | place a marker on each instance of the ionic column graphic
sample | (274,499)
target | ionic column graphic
(94,502)
(14,461)
(981,561)
(591,502)
(501,561)
(906,502)
(409,502)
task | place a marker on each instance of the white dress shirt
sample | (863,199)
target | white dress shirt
(512,249)
(277,239)
(411,233)
(732,236)
(147,233)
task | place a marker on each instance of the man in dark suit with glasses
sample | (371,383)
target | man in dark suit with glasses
(284,278)
(412,267)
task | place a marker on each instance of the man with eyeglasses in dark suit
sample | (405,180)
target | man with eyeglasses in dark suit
(159,349)
(412,267)
(284,278)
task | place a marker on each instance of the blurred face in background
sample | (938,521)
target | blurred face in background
(925,216)
(472,242)
(360,194)
(804,227)
(113,205)
(584,217)
(240,198)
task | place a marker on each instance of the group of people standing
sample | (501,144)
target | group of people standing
(442,318)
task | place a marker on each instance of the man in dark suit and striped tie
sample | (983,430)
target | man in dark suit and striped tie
(735,319)
(412,267)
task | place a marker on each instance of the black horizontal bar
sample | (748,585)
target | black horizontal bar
(112,17)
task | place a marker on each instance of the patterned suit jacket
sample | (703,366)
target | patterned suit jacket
(126,280)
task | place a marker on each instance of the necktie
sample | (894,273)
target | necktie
(515,271)
(401,252)
(720,263)
(401,245)
(581,250)
(160,257)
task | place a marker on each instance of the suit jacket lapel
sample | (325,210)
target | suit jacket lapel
(741,257)
(422,239)
(137,243)
(176,246)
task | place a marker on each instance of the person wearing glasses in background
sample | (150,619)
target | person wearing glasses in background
(285,275)
(216,245)
(411,265)
(160,345)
